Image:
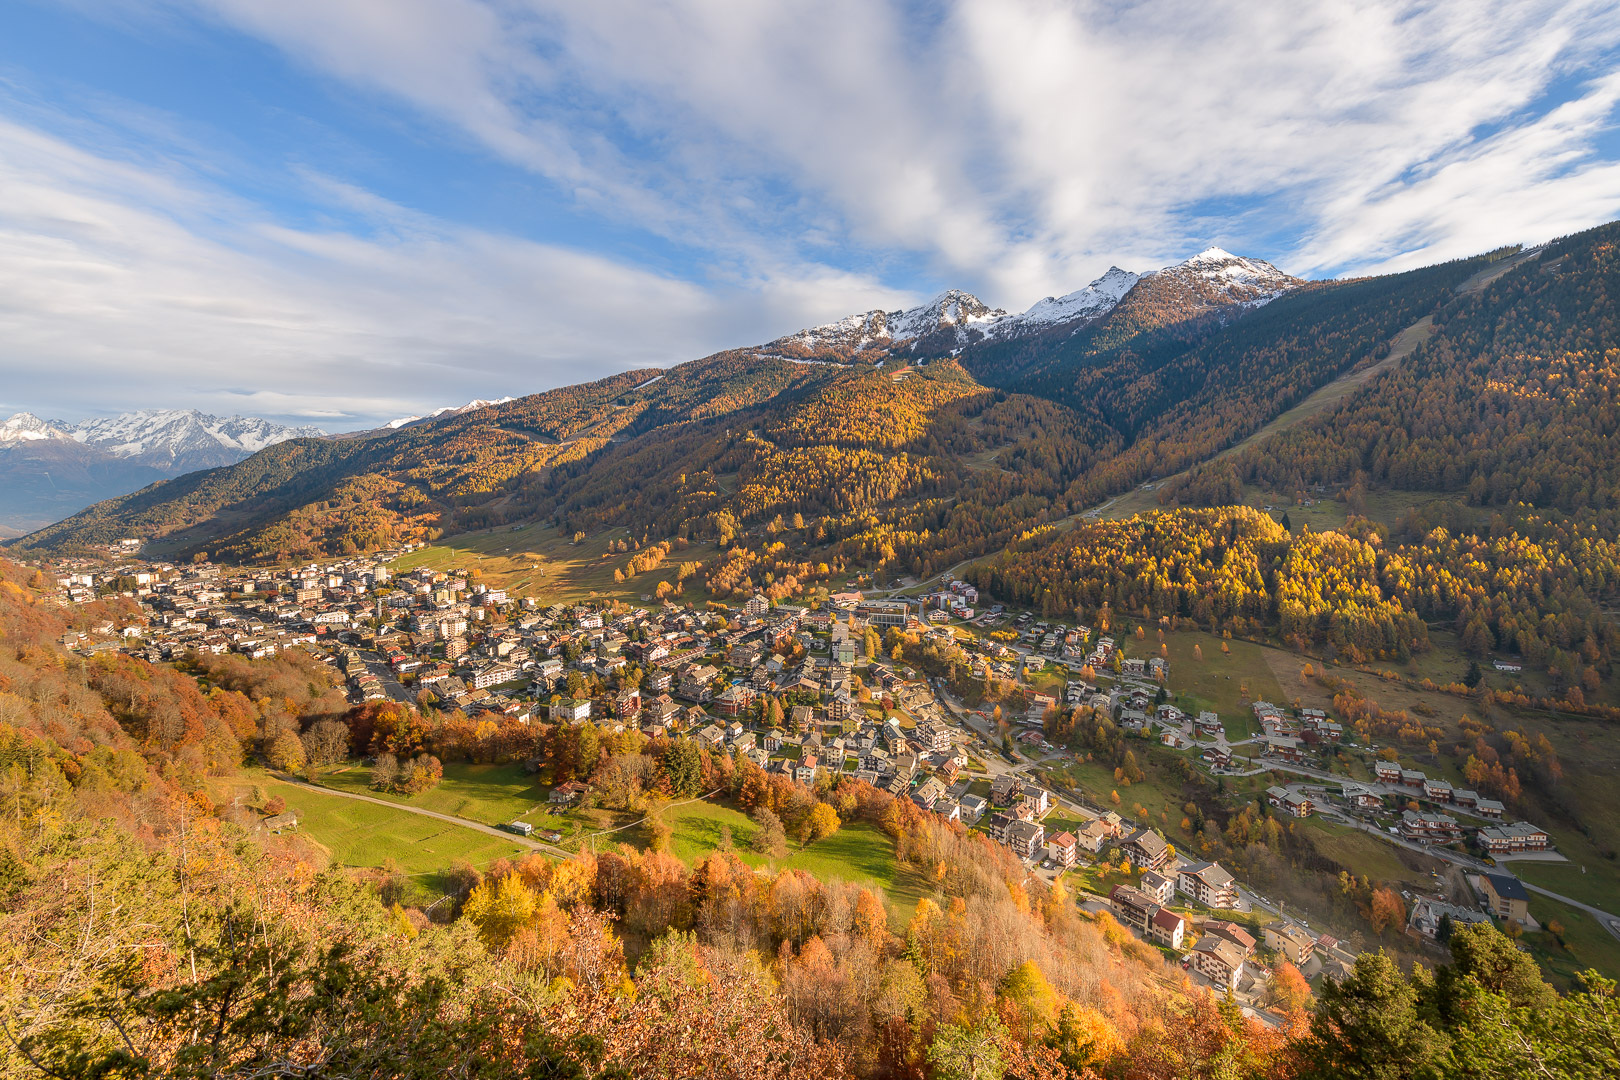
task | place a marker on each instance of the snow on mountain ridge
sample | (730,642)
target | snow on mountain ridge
(180,431)
(1095,299)
(172,432)
(26,427)
(1214,275)
(447,410)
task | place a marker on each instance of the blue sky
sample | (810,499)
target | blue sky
(340,211)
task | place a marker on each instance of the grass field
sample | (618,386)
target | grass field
(364,834)
(1586,944)
(536,560)
(1227,684)
(490,794)
(1360,852)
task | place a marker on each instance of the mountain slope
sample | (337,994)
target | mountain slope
(885,460)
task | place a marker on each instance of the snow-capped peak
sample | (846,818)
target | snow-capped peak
(448,410)
(1215,273)
(952,310)
(1095,299)
(178,431)
(166,439)
(26,427)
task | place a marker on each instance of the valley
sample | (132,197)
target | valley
(1178,637)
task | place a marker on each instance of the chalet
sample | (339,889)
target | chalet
(734,700)
(1387,772)
(1004,789)
(1172,738)
(1436,789)
(928,792)
(712,736)
(1209,884)
(1132,906)
(1218,960)
(627,704)
(1506,897)
(1464,797)
(1488,807)
(1231,931)
(1289,802)
(1217,755)
(973,805)
(1361,796)
(565,794)
(1157,886)
(1209,723)
(1519,836)
(277,822)
(1291,941)
(804,774)
(1425,828)
(1167,928)
(1062,849)
(1412,778)
(1092,836)
(694,685)
(1147,849)
(1025,838)
(1283,747)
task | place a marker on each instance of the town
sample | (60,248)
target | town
(809,690)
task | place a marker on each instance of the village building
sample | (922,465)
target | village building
(1208,883)
(1218,960)
(1506,896)
(1293,942)
(1147,849)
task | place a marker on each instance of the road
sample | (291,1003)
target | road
(385,674)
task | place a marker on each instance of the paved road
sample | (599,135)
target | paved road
(385,674)
(521,841)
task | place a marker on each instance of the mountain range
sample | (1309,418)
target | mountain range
(50,468)
(951,421)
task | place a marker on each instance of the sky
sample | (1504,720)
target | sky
(338,212)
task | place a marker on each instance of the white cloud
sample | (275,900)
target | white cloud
(792,151)
(123,287)
(1020,144)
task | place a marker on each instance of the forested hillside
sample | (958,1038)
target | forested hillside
(1513,400)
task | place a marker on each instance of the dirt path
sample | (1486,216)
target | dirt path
(521,841)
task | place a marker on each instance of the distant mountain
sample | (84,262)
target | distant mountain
(448,410)
(50,469)
(182,440)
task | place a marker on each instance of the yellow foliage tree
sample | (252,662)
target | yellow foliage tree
(500,909)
